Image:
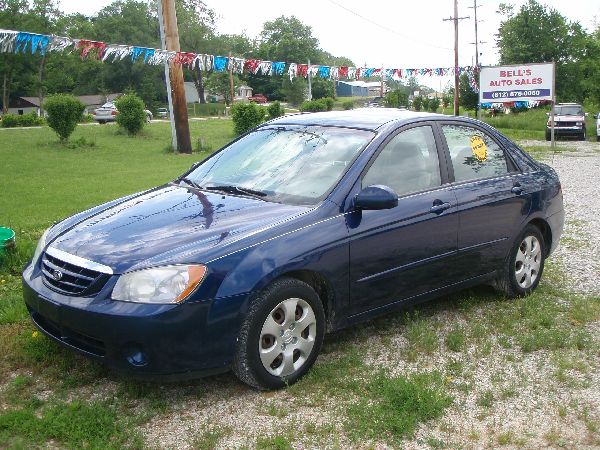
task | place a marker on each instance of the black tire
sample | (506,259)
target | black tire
(597,138)
(507,282)
(548,135)
(582,136)
(247,363)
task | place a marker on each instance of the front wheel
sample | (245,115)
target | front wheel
(548,135)
(281,335)
(582,136)
(523,269)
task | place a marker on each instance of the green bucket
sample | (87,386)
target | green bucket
(7,239)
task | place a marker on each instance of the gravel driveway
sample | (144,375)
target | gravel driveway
(578,164)
(533,407)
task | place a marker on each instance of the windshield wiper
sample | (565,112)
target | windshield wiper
(231,189)
(190,182)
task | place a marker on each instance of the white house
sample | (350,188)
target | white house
(191,93)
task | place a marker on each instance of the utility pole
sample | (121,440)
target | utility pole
(455,19)
(179,112)
(231,89)
(477,41)
(308,75)
(163,45)
(382,81)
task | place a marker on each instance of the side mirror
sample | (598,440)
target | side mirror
(597,116)
(586,114)
(376,197)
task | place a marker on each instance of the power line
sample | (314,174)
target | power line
(391,30)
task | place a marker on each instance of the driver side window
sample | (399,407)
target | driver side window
(408,163)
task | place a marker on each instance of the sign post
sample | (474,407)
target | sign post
(519,83)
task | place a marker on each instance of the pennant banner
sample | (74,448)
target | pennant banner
(24,42)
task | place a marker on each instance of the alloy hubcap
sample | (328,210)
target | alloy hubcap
(528,262)
(287,337)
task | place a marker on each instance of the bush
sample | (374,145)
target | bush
(131,115)
(10,121)
(64,111)
(86,118)
(275,110)
(323,104)
(329,102)
(348,104)
(207,109)
(417,103)
(425,103)
(434,104)
(25,120)
(246,116)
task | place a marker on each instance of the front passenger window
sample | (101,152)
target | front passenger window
(408,163)
(474,154)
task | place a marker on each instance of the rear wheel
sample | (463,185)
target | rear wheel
(281,335)
(548,135)
(525,264)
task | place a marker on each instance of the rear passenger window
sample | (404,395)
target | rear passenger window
(474,154)
(408,163)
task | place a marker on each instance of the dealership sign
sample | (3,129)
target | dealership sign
(516,83)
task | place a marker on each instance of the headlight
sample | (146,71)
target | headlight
(579,124)
(40,247)
(159,285)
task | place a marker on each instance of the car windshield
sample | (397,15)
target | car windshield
(108,105)
(296,165)
(569,110)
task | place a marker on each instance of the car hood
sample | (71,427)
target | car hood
(170,220)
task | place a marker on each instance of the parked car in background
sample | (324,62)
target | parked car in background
(162,113)
(258,98)
(569,120)
(376,102)
(597,117)
(108,113)
(308,224)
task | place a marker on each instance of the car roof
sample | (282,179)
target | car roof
(365,118)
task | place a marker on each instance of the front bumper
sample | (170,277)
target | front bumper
(566,131)
(166,341)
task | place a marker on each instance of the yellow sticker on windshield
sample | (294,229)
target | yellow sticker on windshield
(479,148)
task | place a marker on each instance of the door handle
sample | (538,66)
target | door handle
(439,207)
(517,189)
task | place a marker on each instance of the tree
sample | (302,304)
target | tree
(322,88)
(23,74)
(537,33)
(294,91)
(196,23)
(467,98)
(288,39)
(218,83)
(396,99)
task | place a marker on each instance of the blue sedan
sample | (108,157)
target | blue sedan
(307,224)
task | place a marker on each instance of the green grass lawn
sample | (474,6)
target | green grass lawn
(42,181)
(50,397)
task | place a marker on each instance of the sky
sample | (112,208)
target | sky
(399,34)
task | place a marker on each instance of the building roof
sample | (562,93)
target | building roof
(361,83)
(87,100)
(366,118)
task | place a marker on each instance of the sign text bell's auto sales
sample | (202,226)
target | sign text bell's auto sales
(516,83)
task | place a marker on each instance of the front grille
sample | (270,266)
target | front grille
(69,279)
(565,124)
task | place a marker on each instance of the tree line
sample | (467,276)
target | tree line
(135,22)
